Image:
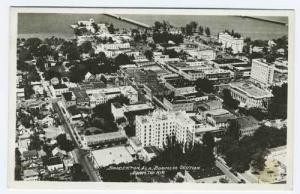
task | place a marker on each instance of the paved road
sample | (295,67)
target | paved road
(79,154)
(227,172)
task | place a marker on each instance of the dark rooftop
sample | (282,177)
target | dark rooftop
(53,161)
(180,82)
(67,96)
(224,61)
(59,86)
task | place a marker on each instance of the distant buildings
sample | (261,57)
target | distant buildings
(153,130)
(262,72)
(249,95)
(229,41)
(101,95)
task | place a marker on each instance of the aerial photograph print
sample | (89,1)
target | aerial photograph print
(152,96)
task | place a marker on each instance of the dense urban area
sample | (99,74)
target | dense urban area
(151,104)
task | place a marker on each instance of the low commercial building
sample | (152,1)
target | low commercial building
(58,89)
(228,62)
(249,95)
(104,139)
(82,99)
(120,111)
(202,53)
(178,103)
(145,76)
(248,125)
(54,163)
(109,93)
(31,175)
(97,98)
(192,74)
(156,89)
(218,76)
(180,86)
(20,94)
(109,156)
(69,99)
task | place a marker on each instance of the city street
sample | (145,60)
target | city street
(81,155)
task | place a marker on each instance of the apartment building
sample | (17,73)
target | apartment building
(229,41)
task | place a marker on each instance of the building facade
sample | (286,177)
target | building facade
(262,72)
(154,130)
(229,41)
(249,95)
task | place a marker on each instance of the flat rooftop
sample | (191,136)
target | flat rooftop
(225,61)
(113,155)
(105,137)
(138,107)
(250,90)
(180,83)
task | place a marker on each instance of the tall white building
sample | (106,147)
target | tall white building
(262,72)
(153,130)
(229,41)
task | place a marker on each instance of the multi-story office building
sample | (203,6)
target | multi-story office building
(262,72)
(154,129)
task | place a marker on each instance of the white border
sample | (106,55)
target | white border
(250,4)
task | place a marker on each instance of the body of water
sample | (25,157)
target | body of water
(51,24)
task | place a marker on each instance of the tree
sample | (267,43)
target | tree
(277,108)
(258,160)
(85,47)
(208,140)
(201,30)
(70,49)
(64,143)
(111,29)
(78,174)
(33,45)
(207,31)
(122,59)
(229,101)
(204,85)
(51,73)
(157,25)
(233,130)
(95,26)
(194,25)
(189,29)
(149,54)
